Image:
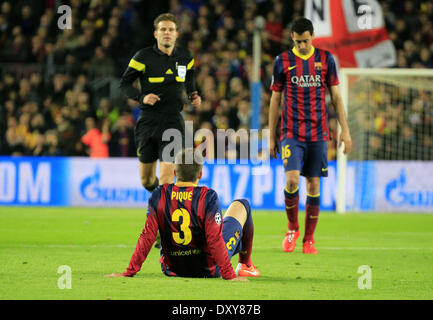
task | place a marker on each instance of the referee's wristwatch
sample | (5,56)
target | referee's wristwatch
(192,95)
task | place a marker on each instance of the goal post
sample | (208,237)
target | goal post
(385,110)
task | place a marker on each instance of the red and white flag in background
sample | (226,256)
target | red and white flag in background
(353,31)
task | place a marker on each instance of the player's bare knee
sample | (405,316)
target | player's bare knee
(238,211)
(313,185)
(147,181)
(292,180)
(292,184)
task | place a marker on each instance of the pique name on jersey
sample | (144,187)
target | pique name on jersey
(307,80)
(181,196)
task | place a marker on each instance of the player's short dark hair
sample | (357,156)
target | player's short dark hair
(301,25)
(164,17)
(188,164)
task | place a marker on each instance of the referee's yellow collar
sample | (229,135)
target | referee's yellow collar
(303,56)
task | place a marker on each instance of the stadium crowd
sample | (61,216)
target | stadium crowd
(48,105)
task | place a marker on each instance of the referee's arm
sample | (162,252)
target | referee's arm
(190,82)
(134,70)
(191,86)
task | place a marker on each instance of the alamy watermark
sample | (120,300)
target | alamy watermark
(248,146)
(365,280)
(365,20)
(65,280)
(65,20)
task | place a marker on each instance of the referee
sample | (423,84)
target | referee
(165,71)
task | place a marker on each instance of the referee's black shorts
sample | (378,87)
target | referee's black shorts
(149,131)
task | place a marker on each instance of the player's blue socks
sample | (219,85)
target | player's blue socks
(247,237)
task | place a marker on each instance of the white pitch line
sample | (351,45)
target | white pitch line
(374,248)
(70,246)
(258,247)
(357,248)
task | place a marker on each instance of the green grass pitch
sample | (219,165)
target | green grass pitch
(35,242)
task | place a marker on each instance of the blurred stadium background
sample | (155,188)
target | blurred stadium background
(56,86)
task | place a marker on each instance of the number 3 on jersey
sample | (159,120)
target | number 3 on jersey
(184,227)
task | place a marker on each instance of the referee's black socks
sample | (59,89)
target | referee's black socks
(153,186)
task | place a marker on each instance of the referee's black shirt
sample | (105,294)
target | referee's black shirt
(163,75)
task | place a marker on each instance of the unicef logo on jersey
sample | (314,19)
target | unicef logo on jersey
(306,81)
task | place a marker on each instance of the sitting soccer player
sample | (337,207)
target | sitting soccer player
(195,240)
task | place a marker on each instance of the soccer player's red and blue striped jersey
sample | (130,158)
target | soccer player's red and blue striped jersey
(303,79)
(190,222)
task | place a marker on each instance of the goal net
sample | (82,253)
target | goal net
(390,115)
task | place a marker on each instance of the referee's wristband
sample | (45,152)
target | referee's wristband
(141,97)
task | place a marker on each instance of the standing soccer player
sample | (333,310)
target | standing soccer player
(165,71)
(301,74)
(195,240)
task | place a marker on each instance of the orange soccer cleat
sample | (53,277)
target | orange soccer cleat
(243,271)
(289,241)
(309,248)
